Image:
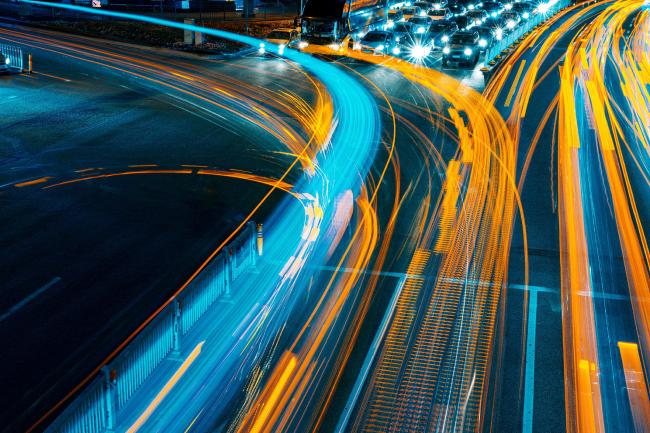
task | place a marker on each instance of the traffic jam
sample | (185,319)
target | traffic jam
(454,32)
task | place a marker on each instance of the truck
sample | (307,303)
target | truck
(326,22)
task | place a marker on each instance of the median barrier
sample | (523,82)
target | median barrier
(96,409)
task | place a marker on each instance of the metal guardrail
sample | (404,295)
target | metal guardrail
(97,408)
(522,29)
(15,56)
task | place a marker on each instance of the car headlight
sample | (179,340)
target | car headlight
(396,51)
(499,34)
(444,38)
(420,30)
(478,22)
(356,46)
(380,47)
(7,61)
(467,51)
(423,14)
(262,48)
(302,45)
(511,24)
(482,43)
(420,52)
(397,39)
(470,7)
(526,15)
(543,8)
(446,50)
(493,14)
(508,6)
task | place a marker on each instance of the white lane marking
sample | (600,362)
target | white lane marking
(29,298)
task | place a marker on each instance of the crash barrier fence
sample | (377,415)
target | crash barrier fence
(15,56)
(97,408)
(500,46)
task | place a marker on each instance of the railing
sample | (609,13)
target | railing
(97,408)
(15,56)
(523,28)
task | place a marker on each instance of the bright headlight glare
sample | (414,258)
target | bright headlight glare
(468,51)
(419,52)
(380,47)
(444,38)
(7,61)
(446,50)
(396,51)
(302,44)
(356,46)
(526,15)
(420,30)
(482,43)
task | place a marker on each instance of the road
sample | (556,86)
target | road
(97,257)
(495,236)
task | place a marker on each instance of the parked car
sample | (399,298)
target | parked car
(457,9)
(440,32)
(525,9)
(420,24)
(375,42)
(410,11)
(462,49)
(486,35)
(477,17)
(461,21)
(438,4)
(492,8)
(440,14)
(511,18)
(424,7)
(394,16)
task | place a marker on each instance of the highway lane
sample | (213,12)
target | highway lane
(93,251)
(525,91)
(597,309)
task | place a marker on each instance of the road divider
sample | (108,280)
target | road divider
(97,408)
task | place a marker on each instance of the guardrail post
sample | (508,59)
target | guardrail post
(177,325)
(227,274)
(260,240)
(252,238)
(110,397)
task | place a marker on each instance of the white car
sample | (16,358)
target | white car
(281,37)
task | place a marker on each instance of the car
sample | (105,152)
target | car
(477,17)
(462,49)
(410,12)
(420,24)
(282,37)
(440,32)
(438,4)
(525,9)
(492,8)
(440,14)
(462,22)
(5,63)
(511,18)
(486,35)
(377,42)
(457,9)
(394,16)
(424,7)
